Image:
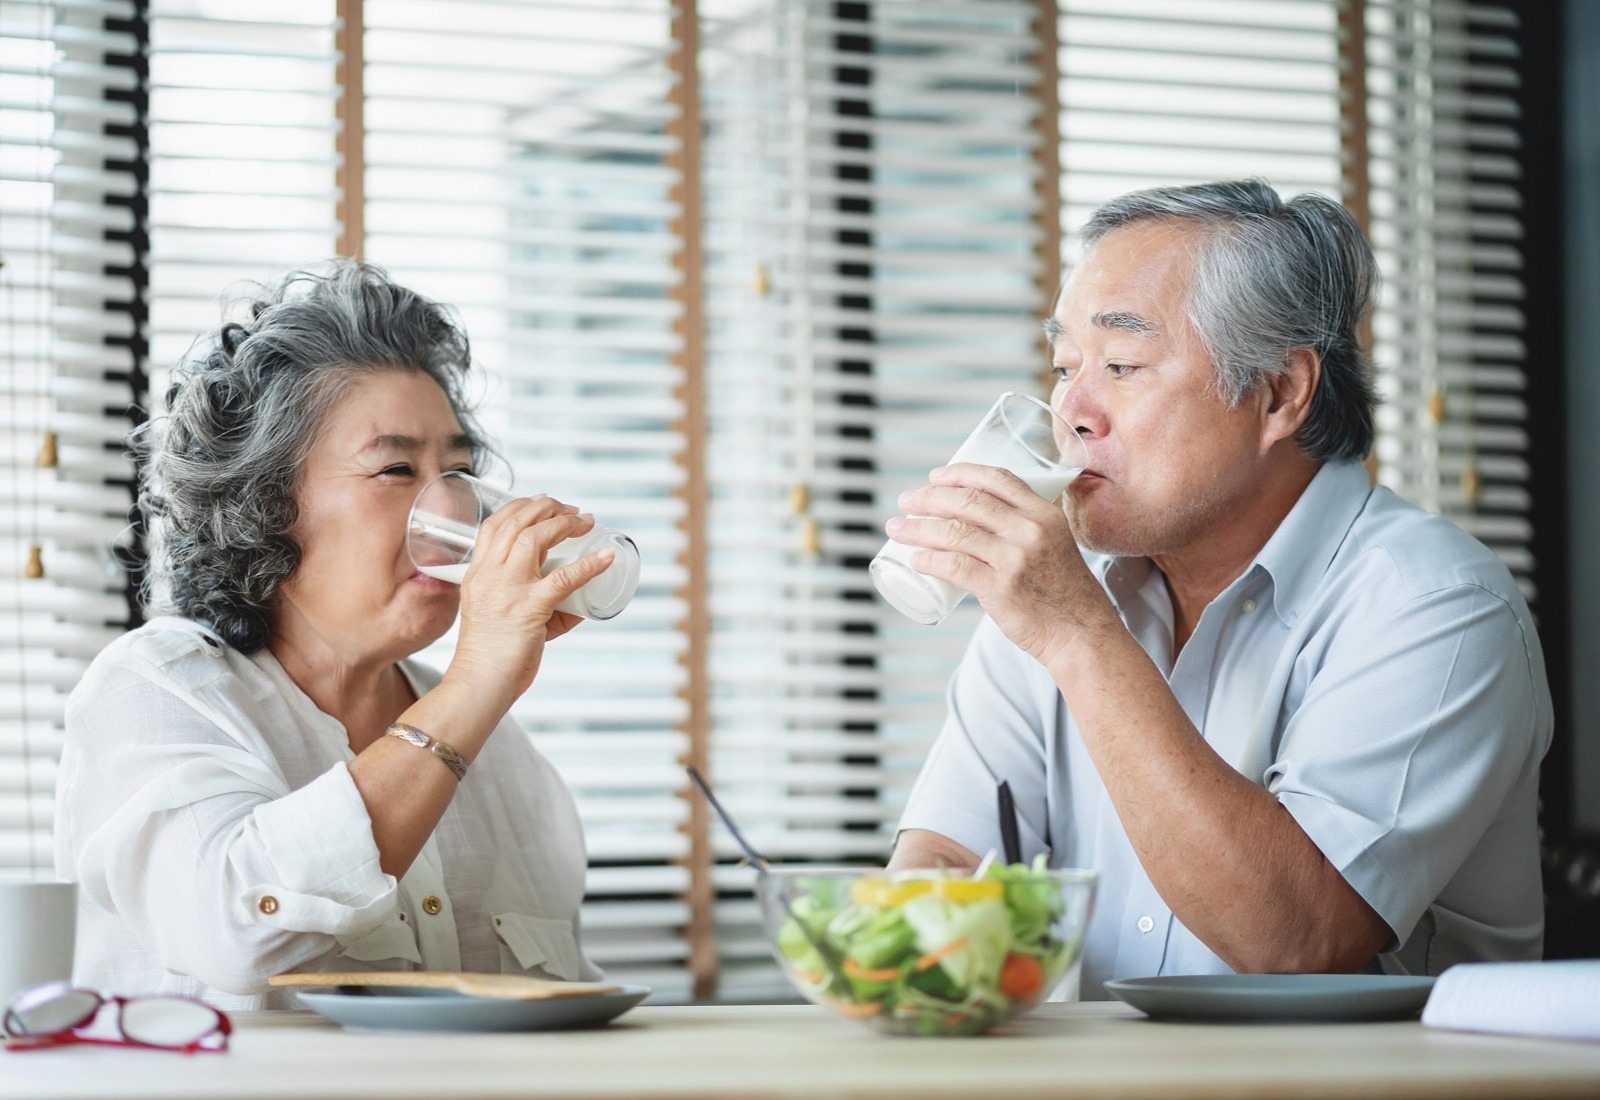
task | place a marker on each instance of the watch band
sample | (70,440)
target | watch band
(451,758)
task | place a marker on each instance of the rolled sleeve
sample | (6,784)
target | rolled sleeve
(991,733)
(187,840)
(320,863)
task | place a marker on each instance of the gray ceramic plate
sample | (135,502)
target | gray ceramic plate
(373,1008)
(1275,998)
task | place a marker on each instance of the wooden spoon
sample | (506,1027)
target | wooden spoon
(509,987)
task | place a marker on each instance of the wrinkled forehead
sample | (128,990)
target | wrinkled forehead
(1133,280)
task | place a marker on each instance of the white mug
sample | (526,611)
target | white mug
(38,923)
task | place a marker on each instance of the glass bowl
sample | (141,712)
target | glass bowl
(926,952)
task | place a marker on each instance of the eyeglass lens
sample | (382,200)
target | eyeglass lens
(51,1008)
(167,1021)
(154,1021)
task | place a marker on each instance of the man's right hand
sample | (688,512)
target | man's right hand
(983,529)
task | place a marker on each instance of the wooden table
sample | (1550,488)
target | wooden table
(1102,1050)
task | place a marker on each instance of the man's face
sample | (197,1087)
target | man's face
(1169,462)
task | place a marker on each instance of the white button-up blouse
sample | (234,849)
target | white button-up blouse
(205,808)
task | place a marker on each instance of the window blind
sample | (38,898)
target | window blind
(870,235)
(1446,224)
(68,349)
(242,136)
(517,167)
(1161,92)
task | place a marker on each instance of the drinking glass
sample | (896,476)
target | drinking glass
(443,528)
(1021,434)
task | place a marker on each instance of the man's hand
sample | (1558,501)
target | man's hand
(981,528)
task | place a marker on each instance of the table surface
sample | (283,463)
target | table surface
(1090,1049)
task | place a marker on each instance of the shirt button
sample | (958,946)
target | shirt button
(1146,924)
(268,905)
(431,905)
(1248,606)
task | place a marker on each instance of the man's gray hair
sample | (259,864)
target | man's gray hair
(1271,276)
(222,469)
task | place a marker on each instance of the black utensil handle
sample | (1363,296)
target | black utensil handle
(1010,840)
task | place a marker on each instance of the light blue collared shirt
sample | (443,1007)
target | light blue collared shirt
(1375,668)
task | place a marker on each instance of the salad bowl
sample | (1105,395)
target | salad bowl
(928,952)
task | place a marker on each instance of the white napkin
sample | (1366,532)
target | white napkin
(1558,1000)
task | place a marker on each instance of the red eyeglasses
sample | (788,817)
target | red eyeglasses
(56,1014)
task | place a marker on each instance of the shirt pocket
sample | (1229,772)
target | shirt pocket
(544,943)
(390,940)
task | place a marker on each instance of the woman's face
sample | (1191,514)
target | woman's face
(356,594)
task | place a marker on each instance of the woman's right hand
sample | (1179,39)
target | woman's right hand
(508,611)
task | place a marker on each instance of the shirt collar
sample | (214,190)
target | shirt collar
(1299,551)
(1297,554)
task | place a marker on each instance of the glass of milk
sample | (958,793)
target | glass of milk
(443,528)
(1021,434)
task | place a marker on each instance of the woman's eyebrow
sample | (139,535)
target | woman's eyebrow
(410,444)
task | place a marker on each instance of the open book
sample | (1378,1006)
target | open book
(1558,1000)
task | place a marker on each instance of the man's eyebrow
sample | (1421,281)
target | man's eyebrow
(410,444)
(1052,330)
(1126,322)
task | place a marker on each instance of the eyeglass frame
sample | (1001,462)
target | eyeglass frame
(19,1039)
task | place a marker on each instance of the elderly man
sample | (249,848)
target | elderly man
(1294,721)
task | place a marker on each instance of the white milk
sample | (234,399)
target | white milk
(455,574)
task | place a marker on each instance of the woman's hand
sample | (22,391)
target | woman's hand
(508,611)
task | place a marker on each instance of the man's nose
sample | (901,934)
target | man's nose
(1075,405)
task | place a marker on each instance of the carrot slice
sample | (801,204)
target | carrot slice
(861,973)
(938,953)
(853,1010)
(1021,976)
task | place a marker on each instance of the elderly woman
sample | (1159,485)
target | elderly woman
(244,788)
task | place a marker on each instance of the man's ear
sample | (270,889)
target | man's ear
(1289,394)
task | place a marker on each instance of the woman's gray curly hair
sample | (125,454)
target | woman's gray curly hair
(221,470)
